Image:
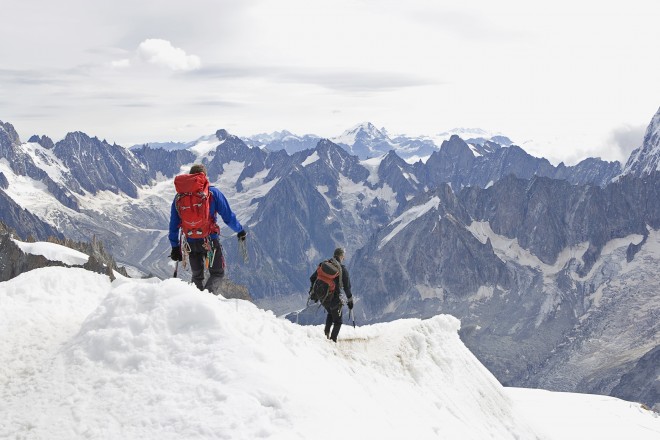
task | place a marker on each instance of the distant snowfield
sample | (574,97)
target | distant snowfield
(81,357)
(407,217)
(54,252)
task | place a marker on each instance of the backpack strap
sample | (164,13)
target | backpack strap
(337,266)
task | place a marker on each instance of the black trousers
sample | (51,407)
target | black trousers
(198,256)
(334,308)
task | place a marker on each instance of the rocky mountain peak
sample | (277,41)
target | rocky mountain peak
(8,136)
(652,136)
(44,141)
(222,134)
(646,159)
(99,166)
(365,129)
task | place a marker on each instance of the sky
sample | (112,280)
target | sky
(83,357)
(566,80)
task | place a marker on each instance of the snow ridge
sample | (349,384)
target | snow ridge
(159,359)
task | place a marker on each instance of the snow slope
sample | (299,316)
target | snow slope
(83,358)
(54,252)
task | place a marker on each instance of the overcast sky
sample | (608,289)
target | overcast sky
(564,79)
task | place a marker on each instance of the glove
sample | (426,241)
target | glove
(350,303)
(176,254)
(241,235)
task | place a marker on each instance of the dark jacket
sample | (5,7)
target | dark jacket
(219,205)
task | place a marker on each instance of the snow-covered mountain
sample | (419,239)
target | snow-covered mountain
(283,140)
(646,159)
(298,207)
(367,141)
(167,146)
(549,279)
(83,357)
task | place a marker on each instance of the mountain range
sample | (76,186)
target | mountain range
(551,269)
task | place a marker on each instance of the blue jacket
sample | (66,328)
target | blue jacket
(219,205)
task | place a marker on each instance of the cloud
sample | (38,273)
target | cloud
(627,137)
(161,53)
(121,63)
(353,81)
(332,79)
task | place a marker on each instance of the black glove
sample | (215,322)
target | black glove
(350,303)
(176,254)
(241,235)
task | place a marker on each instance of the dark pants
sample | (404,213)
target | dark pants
(334,308)
(198,255)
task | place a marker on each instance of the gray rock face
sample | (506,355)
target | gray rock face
(44,141)
(296,222)
(23,222)
(8,136)
(167,146)
(455,163)
(433,259)
(450,164)
(97,165)
(548,215)
(158,160)
(22,164)
(13,261)
(400,176)
(4,183)
(531,322)
(642,382)
(590,171)
(646,159)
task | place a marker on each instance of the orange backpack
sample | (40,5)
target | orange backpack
(324,286)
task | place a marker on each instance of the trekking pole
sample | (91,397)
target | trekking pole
(351,315)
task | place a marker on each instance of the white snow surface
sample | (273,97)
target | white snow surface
(81,357)
(410,215)
(372,165)
(53,252)
(205,147)
(46,160)
(311,159)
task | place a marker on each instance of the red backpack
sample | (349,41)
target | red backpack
(193,202)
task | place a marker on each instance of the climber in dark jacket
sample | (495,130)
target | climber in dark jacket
(334,305)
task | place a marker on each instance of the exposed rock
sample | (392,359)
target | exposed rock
(14,262)
(44,141)
(642,382)
(163,161)
(229,289)
(99,166)
(646,158)
(22,221)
